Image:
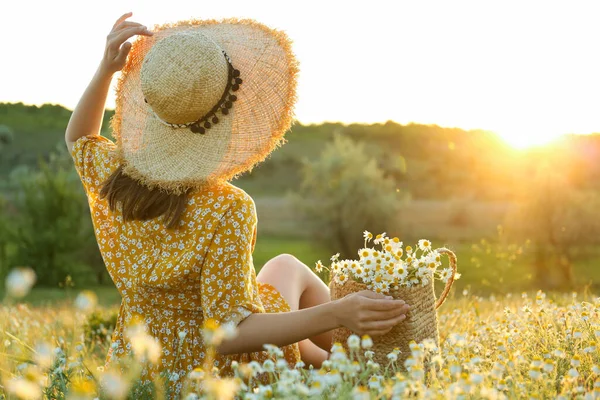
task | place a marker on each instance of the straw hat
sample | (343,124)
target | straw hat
(203,101)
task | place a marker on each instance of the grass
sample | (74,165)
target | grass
(484,266)
(505,347)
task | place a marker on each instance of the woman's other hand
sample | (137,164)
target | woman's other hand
(117,47)
(370,313)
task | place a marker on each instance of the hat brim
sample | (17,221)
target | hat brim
(175,159)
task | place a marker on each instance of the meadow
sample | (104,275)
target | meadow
(523,321)
(521,345)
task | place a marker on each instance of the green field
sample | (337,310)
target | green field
(483,273)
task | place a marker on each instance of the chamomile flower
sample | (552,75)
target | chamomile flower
(424,245)
(367,235)
(336,268)
(319,266)
(445,274)
(341,278)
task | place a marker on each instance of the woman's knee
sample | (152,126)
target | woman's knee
(288,267)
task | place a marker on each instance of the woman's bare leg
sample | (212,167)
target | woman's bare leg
(301,288)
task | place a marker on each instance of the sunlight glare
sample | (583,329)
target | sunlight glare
(524,139)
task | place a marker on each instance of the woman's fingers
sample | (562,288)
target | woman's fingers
(382,327)
(387,314)
(382,304)
(122,18)
(123,52)
(123,25)
(116,41)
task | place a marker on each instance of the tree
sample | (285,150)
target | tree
(6,136)
(559,220)
(343,193)
(50,229)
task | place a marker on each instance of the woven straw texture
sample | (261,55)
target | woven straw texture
(421,320)
(176,159)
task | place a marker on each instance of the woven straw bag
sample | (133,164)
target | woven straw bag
(420,323)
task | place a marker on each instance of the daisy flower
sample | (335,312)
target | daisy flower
(396,244)
(342,278)
(365,253)
(445,274)
(335,257)
(425,245)
(367,235)
(379,238)
(319,266)
(336,268)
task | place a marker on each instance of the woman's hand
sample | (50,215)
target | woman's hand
(86,119)
(117,47)
(370,313)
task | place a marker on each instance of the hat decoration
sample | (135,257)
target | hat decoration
(225,103)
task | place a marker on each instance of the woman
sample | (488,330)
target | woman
(199,102)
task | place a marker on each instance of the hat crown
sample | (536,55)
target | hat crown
(183,76)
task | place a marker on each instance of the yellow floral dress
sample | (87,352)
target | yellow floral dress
(174,279)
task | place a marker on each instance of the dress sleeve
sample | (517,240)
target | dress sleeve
(93,161)
(229,291)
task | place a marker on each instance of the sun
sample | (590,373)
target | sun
(525,139)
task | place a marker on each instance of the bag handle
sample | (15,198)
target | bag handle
(453,261)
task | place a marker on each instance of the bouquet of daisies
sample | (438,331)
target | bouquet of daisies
(406,273)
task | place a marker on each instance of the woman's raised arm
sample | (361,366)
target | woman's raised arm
(87,116)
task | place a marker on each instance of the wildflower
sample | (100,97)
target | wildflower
(19,282)
(424,245)
(335,257)
(23,388)
(256,367)
(535,373)
(214,333)
(86,301)
(559,353)
(367,235)
(44,356)
(221,388)
(476,379)
(396,245)
(366,342)
(360,393)
(342,278)
(375,382)
(353,342)
(114,386)
(379,238)
(196,374)
(319,267)
(445,274)
(269,366)
(266,391)
(144,346)
(316,388)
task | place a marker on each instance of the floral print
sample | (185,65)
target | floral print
(173,279)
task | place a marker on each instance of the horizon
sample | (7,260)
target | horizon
(345,123)
(432,63)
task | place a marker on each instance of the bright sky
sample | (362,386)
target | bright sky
(529,70)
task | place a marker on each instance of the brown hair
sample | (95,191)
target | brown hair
(141,203)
